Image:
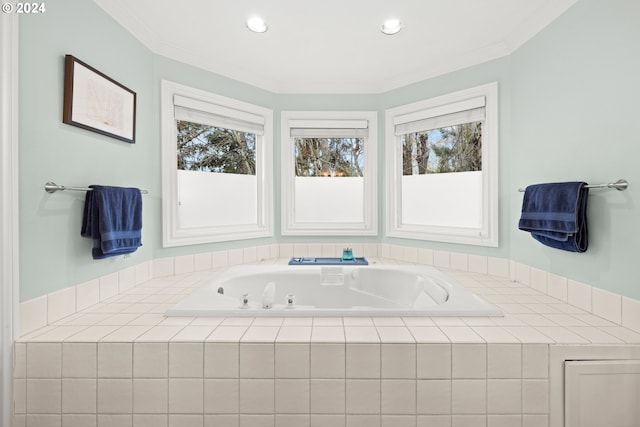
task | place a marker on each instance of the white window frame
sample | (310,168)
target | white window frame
(487,233)
(329,119)
(172,233)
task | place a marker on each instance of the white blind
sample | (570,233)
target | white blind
(329,128)
(467,111)
(196,111)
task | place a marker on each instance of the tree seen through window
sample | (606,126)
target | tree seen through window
(448,149)
(214,149)
(329,157)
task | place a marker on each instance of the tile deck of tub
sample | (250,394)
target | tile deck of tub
(530,317)
(122,363)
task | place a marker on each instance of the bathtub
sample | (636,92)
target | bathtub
(305,291)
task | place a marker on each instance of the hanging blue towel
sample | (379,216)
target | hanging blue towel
(556,215)
(113,219)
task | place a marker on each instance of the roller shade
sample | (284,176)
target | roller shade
(196,111)
(329,128)
(472,110)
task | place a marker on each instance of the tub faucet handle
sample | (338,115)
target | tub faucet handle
(244,301)
(291,300)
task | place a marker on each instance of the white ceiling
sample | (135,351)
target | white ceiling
(333,46)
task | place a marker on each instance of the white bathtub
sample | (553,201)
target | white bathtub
(371,291)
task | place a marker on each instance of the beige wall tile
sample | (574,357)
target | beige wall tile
(504,396)
(150,396)
(79,420)
(469,396)
(363,396)
(535,361)
(434,396)
(631,313)
(186,360)
(33,315)
(221,360)
(504,361)
(61,303)
(186,396)
(257,360)
(181,420)
(79,396)
(150,420)
(607,304)
(257,396)
(321,420)
(115,396)
(292,360)
(579,294)
(535,396)
(327,360)
(150,360)
(327,396)
(115,360)
(469,361)
(398,396)
(363,361)
(292,396)
(434,420)
(221,396)
(44,360)
(398,361)
(434,361)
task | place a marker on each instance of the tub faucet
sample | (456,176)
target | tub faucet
(244,301)
(268,295)
(291,301)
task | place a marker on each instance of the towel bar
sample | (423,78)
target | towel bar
(619,185)
(52,187)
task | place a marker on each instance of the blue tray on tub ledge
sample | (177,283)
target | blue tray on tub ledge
(328,261)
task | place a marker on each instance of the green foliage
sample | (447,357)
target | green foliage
(329,156)
(211,149)
(449,149)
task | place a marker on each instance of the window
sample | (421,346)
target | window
(442,168)
(328,173)
(216,159)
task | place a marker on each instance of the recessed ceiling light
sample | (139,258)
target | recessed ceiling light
(257,24)
(391,26)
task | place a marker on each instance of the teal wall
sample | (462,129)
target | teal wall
(575,93)
(52,253)
(566,113)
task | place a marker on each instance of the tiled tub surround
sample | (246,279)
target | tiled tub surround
(122,363)
(48,309)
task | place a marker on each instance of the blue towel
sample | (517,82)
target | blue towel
(113,219)
(556,215)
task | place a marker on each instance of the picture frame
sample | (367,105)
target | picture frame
(96,102)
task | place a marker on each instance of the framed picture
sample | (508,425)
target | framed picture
(96,102)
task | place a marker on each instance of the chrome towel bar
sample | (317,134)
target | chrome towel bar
(619,185)
(52,187)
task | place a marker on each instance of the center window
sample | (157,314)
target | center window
(328,173)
